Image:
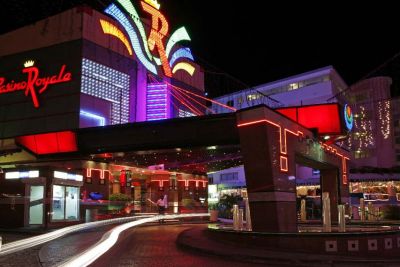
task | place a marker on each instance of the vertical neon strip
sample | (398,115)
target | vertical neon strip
(156,101)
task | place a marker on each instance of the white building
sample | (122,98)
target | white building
(313,87)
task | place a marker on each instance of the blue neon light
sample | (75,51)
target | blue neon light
(181,53)
(117,14)
(100,119)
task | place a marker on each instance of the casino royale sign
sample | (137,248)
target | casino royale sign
(34,84)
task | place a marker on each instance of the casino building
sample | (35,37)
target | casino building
(99,106)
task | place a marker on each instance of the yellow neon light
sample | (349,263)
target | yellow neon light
(184,66)
(29,63)
(109,28)
(153,3)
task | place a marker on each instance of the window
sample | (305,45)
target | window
(230,103)
(253,97)
(293,86)
(232,176)
(65,204)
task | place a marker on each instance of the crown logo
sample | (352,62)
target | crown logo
(153,3)
(29,63)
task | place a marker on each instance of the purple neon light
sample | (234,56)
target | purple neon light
(156,102)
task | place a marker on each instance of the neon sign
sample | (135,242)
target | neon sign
(34,84)
(144,47)
(348,117)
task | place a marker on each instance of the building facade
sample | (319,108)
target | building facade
(372,140)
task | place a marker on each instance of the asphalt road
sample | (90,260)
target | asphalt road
(155,246)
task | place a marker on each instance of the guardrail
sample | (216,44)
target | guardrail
(40,239)
(110,238)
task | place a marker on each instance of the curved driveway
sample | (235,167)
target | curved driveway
(155,246)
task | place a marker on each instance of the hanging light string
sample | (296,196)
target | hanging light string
(186,92)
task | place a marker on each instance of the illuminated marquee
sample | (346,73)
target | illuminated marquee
(128,18)
(34,84)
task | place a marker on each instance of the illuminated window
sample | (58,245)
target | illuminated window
(253,97)
(108,84)
(293,86)
(185,114)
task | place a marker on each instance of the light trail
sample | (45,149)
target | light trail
(110,238)
(19,245)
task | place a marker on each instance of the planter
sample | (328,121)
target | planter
(213,215)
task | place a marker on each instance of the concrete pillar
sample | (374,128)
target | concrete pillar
(303,212)
(362,208)
(236,217)
(342,218)
(330,184)
(326,212)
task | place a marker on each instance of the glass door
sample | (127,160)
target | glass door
(36,204)
(65,204)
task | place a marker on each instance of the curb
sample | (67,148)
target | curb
(185,240)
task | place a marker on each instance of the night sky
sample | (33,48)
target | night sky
(241,43)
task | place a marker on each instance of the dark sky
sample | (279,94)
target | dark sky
(261,41)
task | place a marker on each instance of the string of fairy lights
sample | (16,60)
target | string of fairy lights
(384,118)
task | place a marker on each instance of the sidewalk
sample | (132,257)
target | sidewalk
(197,240)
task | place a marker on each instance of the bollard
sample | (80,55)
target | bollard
(326,207)
(303,212)
(235,217)
(362,209)
(241,219)
(371,212)
(342,218)
(248,218)
(1,242)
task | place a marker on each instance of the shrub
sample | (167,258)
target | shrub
(391,212)
(225,205)
(213,206)
(188,203)
(119,197)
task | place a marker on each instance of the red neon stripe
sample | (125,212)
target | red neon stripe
(183,103)
(205,98)
(186,94)
(188,102)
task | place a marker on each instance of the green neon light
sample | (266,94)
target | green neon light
(127,5)
(179,35)
(158,61)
